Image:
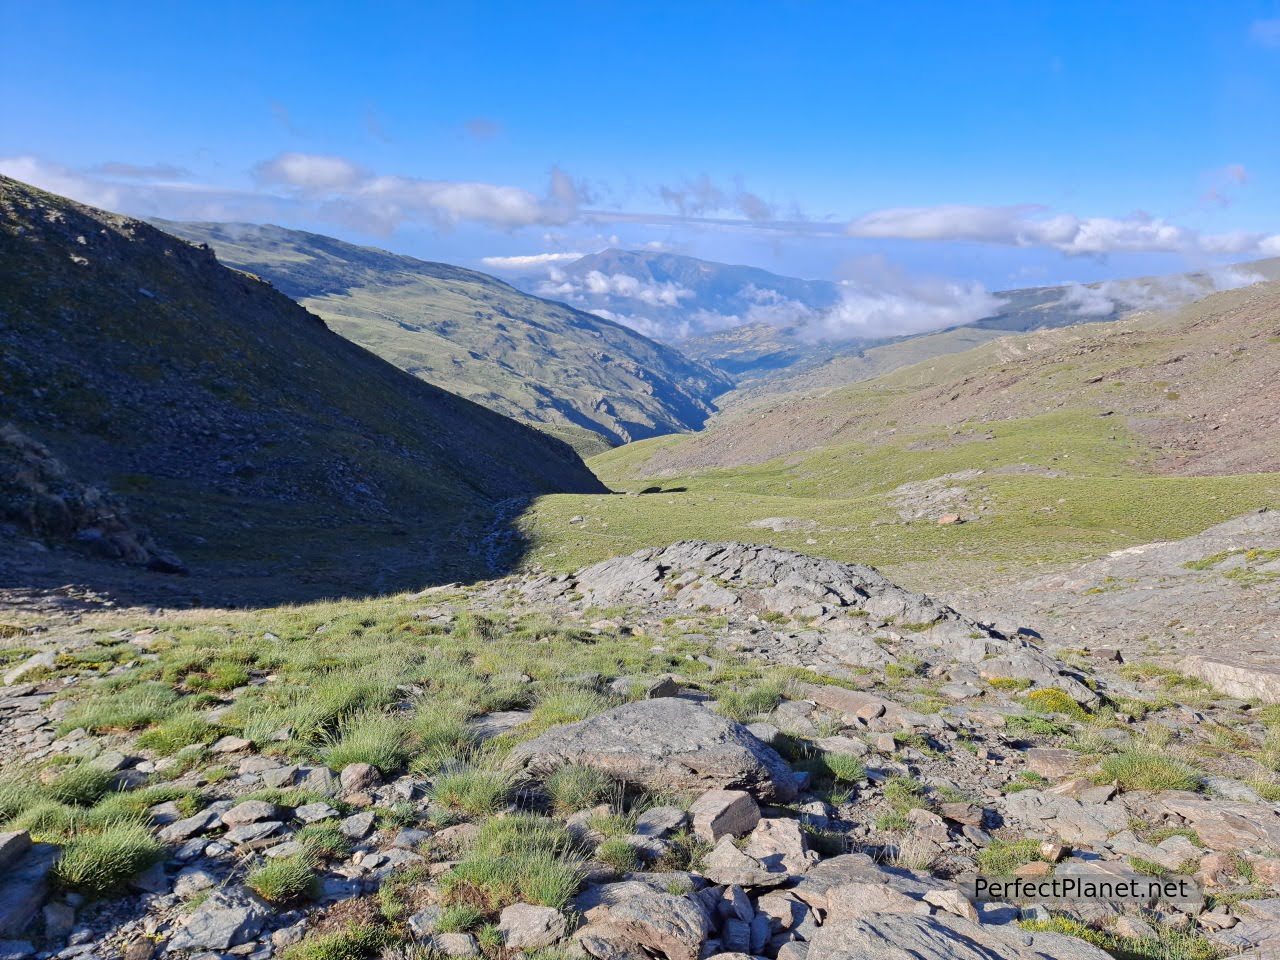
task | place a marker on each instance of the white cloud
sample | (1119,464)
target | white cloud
(309,171)
(1155,293)
(879,299)
(530,260)
(1030,226)
(619,285)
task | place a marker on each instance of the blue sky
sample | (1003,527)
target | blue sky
(1004,144)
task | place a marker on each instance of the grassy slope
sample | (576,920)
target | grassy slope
(1182,396)
(570,373)
(238,427)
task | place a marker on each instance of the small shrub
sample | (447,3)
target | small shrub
(1145,770)
(475,791)
(370,737)
(1002,857)
(744,705)
(567,705)
(576,788)
(81,786)
(131,709)
(440,735)
(285,880)
(844,767)
(180,730)
(514,859)
(459,918)
(1053,700)
(617,854)
(324,840)
(1009,683)
(356,942)
(96,863)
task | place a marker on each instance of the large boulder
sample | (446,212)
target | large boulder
(665,744)
(904,936)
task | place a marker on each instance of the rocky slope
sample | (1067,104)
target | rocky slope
(248,437)
(1186,382)
(570,373)
(750,752)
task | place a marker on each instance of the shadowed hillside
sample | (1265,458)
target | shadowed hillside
(588,380)
(271,454)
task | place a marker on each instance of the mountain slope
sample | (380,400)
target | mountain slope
(1031,452)
(249,438)
(570,373)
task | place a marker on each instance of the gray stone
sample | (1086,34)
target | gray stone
(59,921)
(728,865)
(13,847)
(48,660)
(423,923)
(902,936)
(24,886)
(668,744)
(525,926)
(453,944)
(226,919)
(314,812)
(357,826)
(672,926)
(192,880)
(185,829)
(359,778)
(659,822)
(251,811)
(721,813)
(779,844)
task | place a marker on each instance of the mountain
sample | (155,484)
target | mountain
(248,437)
(766,361)
(1026,453)
(674,297)
(586,379)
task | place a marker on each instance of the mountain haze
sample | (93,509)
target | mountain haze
(247,436)
(573,374)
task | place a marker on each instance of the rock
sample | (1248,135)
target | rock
(1134,927)
(720,813)
(659,822)
(48,660)
(525,926)
(779,844)
(844,746)
(230,744)
(24,881)
(423,923)
(903,936)
(319,780)
(251,811)
(185,829)
(954,902)
(665,744)
(314,812)
(1248,681)
(728,865)
(1053,763)
(248,834)
(13,847)
(357,826)
(59,920)
(1225,824)
(784,910)
(192,880)
(641,688)
(359,778)
(966,813)
(226,919)
(453,944)
(1069,818)
(16,949)
(851,901)
(671,926)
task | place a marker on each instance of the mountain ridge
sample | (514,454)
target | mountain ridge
(576,375)
(246,435)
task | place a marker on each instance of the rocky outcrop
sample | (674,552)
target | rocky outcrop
(40,497)
(1246,681)
(667,743)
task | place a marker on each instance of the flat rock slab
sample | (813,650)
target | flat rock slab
(664,744)
(1252,682)
(903,936)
